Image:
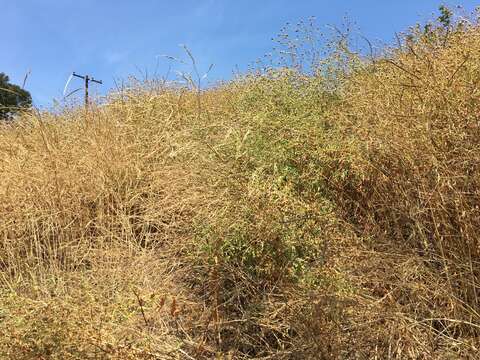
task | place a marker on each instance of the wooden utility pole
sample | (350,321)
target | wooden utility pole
(87,80)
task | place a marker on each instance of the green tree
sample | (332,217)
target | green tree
(12,98)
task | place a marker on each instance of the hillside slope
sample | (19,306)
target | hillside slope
(276,216)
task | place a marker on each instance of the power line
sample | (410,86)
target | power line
(87,79)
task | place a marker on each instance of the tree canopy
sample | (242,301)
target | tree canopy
(12,98)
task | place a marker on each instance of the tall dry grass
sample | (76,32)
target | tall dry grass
(90,203)
(324,209)
(411,169)
(145,229)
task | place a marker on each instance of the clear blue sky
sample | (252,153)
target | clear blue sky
(111,38)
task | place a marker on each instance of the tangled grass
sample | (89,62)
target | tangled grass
(278,216)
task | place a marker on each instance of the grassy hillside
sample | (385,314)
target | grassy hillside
(283,215)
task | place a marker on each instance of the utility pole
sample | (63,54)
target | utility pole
(87,80)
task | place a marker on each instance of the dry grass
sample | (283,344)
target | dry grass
(411,173)
(142,197)
(287,217)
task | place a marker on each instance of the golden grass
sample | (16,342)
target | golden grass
(413,172)
(278,220)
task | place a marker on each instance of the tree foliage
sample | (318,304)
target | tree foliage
(12,98)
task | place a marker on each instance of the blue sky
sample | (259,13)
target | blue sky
(114,38)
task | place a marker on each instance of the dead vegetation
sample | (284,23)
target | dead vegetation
(328,213)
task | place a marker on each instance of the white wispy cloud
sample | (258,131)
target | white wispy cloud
(114,57)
